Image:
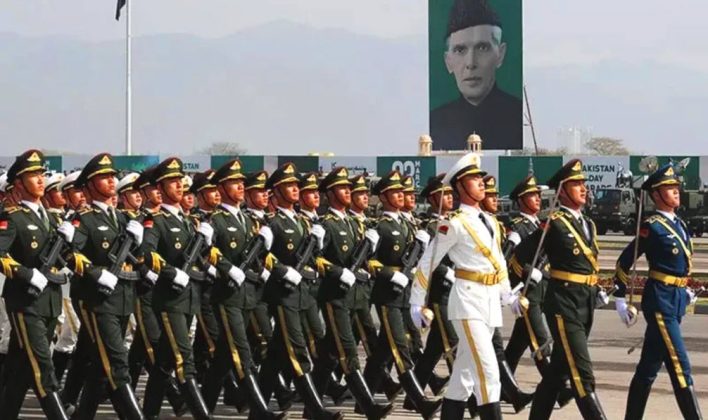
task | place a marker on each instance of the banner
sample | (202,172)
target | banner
(513,169)
(194,163)
(420,168)
(356,165)
(248,163)
(602,171)
(691,174)
(475,73)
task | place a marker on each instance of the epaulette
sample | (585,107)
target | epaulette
(13,209)
(221,211)
(164,213)
(517,220)
(84,211)
(556,214)
(653,218)
(329,216)
(454,214)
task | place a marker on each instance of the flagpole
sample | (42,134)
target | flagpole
(128,85)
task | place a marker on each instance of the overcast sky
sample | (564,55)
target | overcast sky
(556,32)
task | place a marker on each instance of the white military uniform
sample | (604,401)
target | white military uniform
(474,307)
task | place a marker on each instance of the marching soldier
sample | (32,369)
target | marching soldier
(168,237)
(33,303)
(337,292)
(129,198)
(391,293)
(234,291)
(442,338)
(571,247)
(188,199)
(510,388)
(469,239)
(145,342)
(665,240)
(309,197)
(110,300)
(287,292)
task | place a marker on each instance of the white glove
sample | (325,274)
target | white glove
(514,238)
(237,275)
(692,296)
(601,299)
(181,278)
(373,236)
(419,319)
(347,277)
(319,232)
(537,275)
(515,305)
(267,235)
(211,271)
(623,310)
(293,276)
(450,275)
(265,275)
(206,230)
(423,237)
(107,279)
(67,231)
(135,229)
(152,276)
(400,279)
(38,280)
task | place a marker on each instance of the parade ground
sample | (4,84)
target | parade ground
(609,342)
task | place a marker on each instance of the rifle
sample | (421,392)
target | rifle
(192,255)
(359,256)
(118,255)
(49,257)
(410,260)
(303,255)
(253,249)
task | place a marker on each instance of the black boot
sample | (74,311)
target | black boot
(283,394)
(52,407)
(259,408)
(390,387)
(364,399)
(195,402)
(438,384)
(60,360)
(425,406)
(179,406)
(234,396)
(154,393)
(127,404)
(543,401)
(518,398)
(490,411)
(452,410)
(472,407)
(637,399)
(91,397)
(590,407)
(565,396)
(313,403)
(688,403)
(336,391)
(12,399)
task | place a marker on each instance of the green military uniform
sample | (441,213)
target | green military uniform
(97,230)
(289,297)
(233,298)
(571,246)
(337,297)
(391,299)
(442,338)
(530,331)
(364,327)
(33,308)
(166,240)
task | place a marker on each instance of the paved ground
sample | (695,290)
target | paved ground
(614,367)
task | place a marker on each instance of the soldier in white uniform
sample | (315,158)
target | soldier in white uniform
(469,237)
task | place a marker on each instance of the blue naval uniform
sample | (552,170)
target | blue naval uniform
(668,249)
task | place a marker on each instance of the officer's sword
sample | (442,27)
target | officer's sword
(632,280)
(641,341)
(551,209)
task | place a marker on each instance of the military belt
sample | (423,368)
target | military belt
(587,279)
(668,279)
(487,279)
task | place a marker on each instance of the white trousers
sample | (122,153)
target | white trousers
(475,370)
(68,328)
(5,328)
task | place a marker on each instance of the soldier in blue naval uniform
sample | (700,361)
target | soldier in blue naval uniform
(665,241)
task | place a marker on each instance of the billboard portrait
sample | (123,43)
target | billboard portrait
(475,73)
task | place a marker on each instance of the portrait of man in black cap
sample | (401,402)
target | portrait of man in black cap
(475,50)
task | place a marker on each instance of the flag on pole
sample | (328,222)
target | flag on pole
(119,6)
